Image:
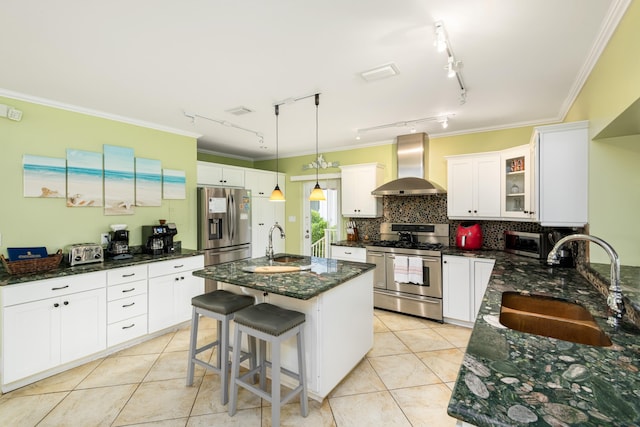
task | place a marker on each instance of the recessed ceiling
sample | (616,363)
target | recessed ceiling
(149,61)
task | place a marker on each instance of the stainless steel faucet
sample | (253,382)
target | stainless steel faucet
(270,247)
(614,300)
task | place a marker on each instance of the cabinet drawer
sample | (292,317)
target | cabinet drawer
(126,308)
(126,274)
(126,330)
(348,253)
(49,288)
(126,290)
(176,266)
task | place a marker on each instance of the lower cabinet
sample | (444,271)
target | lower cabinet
(41,331)
(171,287)
(127,304)
(464,281)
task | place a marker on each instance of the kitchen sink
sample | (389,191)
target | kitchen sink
(551,317)
(288,258)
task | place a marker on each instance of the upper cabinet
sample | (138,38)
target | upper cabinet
(219,175)
(562,164)
(358,181)
(473,186)
(517,184)
(261,183)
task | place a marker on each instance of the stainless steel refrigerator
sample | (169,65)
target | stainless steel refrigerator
(224,226)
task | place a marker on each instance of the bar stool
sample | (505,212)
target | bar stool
(269,323)
(220,305)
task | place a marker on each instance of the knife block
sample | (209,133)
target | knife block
(352,234)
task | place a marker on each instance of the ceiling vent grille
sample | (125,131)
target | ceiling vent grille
(239,111)
(381,72)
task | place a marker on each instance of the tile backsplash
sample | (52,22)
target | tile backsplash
(433,209)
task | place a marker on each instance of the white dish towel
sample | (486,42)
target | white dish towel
(401,269)
(415,270)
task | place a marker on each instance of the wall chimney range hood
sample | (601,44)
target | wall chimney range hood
(410,150)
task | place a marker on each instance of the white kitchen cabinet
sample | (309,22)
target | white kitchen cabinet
(473,189)
(219,175)
(518,184)
(464,281)
(170,289)
(358,181)
(562,160)
(50,322)
(264,214)
(126,304)
(348,253)
(261,183)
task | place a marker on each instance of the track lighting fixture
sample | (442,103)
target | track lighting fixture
(442,119)
(225,123)
(453,66)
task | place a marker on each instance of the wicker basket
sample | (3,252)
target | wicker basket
(32,265)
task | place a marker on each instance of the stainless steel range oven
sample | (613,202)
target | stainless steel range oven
(408,274)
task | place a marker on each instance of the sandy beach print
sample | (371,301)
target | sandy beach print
(84,178)
(173,184)
(119,182)
(148,182)
(44,176)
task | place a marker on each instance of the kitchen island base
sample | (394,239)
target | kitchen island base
(338,331)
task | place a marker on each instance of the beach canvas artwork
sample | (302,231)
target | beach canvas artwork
(174,184)
(119,182)
(148,182)
(84,178)
(44,176)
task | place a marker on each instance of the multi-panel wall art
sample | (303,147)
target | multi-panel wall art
(114,179)
(84,178)
(43,176)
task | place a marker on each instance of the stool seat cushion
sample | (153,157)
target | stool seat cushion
(269,318)
(222,302)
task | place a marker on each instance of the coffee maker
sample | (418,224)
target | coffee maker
(118,247)
(159,238)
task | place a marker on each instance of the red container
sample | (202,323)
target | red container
(469,236)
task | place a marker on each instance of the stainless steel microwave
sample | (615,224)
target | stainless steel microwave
(534,245)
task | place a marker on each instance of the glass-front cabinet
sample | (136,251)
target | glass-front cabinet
(517,183)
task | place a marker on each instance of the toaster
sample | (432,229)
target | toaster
(84,253)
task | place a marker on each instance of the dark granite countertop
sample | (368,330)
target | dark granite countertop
(324,274)
(629,281)
(351,243)
(65,270)
(510,378)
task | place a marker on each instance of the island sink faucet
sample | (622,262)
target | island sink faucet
(614,300)
(270,247)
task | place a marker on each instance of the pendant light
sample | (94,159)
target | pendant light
(317,194)
(276,194)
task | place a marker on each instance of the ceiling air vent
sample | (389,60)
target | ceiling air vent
(381,72)
(239,111)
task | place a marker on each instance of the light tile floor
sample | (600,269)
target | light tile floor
(405,380)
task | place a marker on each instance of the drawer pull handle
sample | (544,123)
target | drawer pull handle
(178,266)
(347,253)
(129,290)
(128,305)
(129,327)
(129,275)
(61,287)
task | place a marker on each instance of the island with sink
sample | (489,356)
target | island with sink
(335,296)
(544,352)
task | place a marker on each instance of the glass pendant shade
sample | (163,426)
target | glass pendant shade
(317,194)
(277,195)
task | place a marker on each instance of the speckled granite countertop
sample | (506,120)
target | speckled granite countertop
(629,281)
(351,243)
(65,270)
(510,378)
(324,274)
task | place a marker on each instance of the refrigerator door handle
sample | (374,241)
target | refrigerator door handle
(233,216)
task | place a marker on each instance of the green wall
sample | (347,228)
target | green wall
(614,193)
(215,158)
(48,131)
